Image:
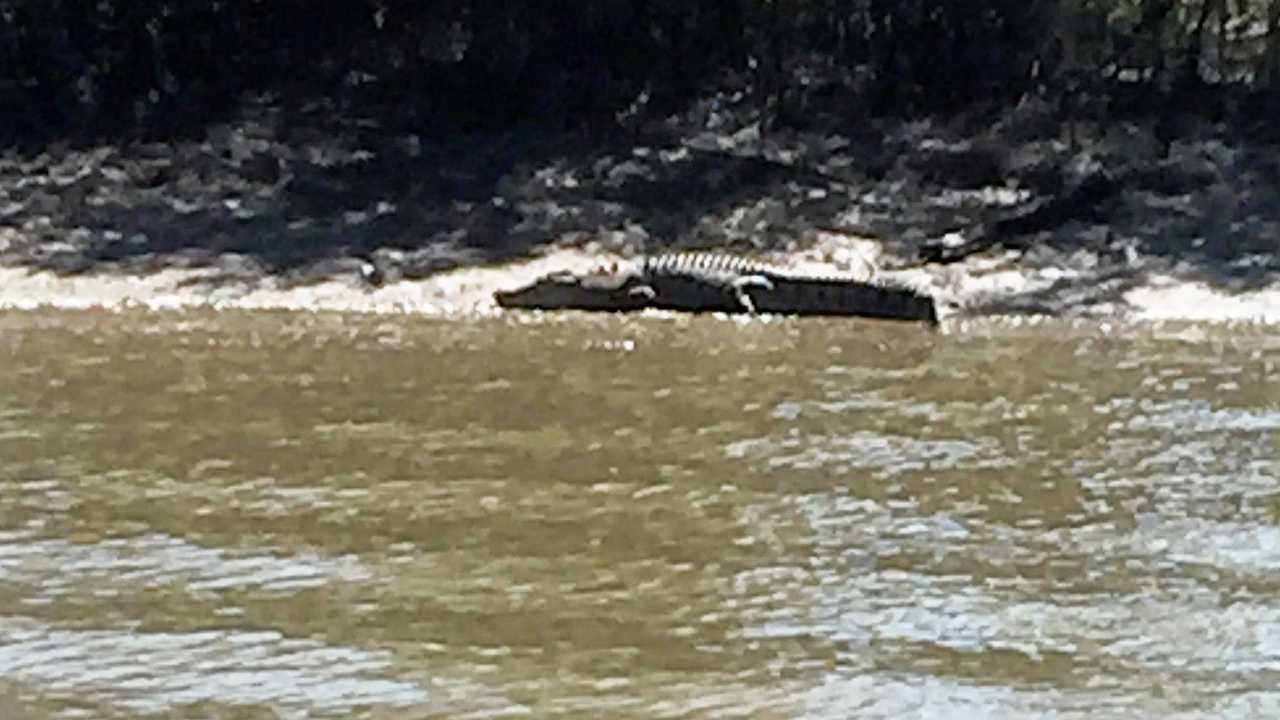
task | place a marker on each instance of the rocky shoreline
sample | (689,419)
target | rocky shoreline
(313,214)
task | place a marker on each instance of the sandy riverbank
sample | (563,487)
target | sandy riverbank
(976,288)
(268,212)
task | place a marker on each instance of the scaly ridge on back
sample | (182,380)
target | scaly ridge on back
(696,264)
(705,263)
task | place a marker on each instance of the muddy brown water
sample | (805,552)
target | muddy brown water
(239,514)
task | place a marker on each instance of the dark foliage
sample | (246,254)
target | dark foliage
(89,68)
(75,68)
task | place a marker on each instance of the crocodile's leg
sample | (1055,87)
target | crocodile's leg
(643,291)
(741,285)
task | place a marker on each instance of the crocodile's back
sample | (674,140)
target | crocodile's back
(696,282)
(706,281)
(714,266)
(708,266)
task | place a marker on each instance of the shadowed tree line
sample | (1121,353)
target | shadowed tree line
(76,69)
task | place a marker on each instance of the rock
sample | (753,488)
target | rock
(261,168)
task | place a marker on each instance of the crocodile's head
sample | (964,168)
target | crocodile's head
(565,290)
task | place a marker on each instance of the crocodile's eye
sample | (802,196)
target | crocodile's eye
(563,277)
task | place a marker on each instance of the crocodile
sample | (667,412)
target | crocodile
(715,282)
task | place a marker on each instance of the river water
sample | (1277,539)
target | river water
(298,515)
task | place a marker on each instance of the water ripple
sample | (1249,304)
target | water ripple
(155,672)
(157,560)
(1200,417)
(891,454)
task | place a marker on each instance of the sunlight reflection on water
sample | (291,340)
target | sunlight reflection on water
(158,560)
(155,672)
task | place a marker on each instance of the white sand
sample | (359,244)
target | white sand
(469,291)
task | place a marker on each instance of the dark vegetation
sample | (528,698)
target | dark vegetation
(158,67)
(293,135)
